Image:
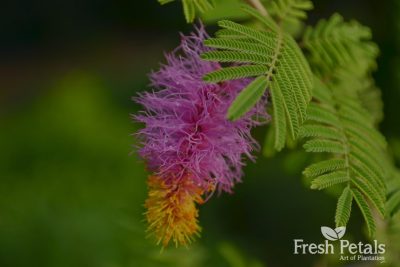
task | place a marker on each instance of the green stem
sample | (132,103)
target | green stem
(259,6)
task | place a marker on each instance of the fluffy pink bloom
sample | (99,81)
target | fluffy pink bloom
(186,132)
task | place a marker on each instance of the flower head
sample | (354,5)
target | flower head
(171,209)
(187,142)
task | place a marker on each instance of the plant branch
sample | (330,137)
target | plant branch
(259,6)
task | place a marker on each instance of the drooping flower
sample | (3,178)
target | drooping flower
(187,142)
(171,209)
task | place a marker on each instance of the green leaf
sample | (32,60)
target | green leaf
(248,98)
(327,146)
(238,45)
(343,208)
(290,10)
(231,73)
(322,131)
(268,146)
(278,119)
(393,185)
(334,44)
(371,193)
(235,56)
(366,211)
(393,203)
(324,166)
(271,54)
(339,125)
(190,7)
(330,179)
(323,114)
(189,10)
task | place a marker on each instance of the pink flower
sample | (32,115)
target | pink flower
(186,133)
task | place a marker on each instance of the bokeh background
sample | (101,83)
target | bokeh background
(71,187)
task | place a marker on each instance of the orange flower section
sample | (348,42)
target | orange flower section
(171,210)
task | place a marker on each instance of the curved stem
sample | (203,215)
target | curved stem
(259,6)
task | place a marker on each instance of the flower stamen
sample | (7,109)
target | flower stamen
(171,210)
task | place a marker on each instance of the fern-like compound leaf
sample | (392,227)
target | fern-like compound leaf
(333,43)
(238,45)
(371,98)
(290,10)
(343,56)
(325,166)
(393,203)
(273,55)
(323,114)
(329,179)
(365,210)
(343,208)
(355,160)
(322,145)
(370,192)
(322,131)
(236,56)
(231,73)
(248,97)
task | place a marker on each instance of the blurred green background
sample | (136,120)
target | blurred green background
(71,187)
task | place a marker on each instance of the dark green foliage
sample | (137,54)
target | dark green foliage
(343,209)
(366,211)
(290,10)
(393,184)
(249,97)
(326,95)
(273,55)
(334,43)
(339,121)
(351,162)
